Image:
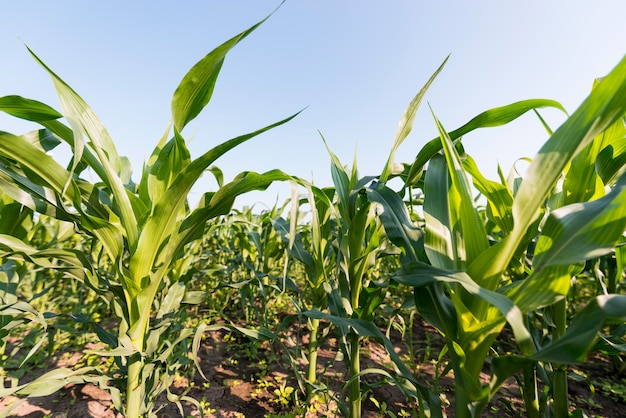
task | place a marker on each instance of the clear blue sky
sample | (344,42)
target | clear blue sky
(355,64)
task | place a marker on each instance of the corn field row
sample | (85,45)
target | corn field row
(538,256)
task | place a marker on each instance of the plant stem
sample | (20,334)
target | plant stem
(529,392)
(355,369)
(461,402)
(559,389)
(313,348)
(134,395)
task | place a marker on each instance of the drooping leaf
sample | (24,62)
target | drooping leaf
(395,218)
(574,345)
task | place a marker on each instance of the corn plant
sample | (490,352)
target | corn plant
(358,243)
(469,288)
(314,249)
(142,229)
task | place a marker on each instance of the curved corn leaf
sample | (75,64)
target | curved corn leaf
(27,109)
(582,231)
(471,227)
(574,345)
(395,218)
(171,160)
(611,161)
(45,169)
(50,382)
(417,274)
(581,182)
(439,243)
(497,116)
(543,287)
(341,181)
(43,139)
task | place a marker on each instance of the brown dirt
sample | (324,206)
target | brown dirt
(242,385)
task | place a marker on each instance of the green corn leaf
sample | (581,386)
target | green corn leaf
(406,123)
(196,88)
(341,180)
(42,139)
(45,169)
(611,161)
(172,300)
(419,274)
(582,231)
(172,159)
(604,106)
(223,199)
(432,302)
(574,345)
(396,221)
(499,197)
(542,287)
(297,249)
(27,109)
(84,120)
(218,174)
(581,182)
(439,243)
(503,367)
(497,116)
(45,258)
(35,197)
(17,220)
(470,227)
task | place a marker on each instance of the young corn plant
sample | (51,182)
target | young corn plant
(471,287)
(317,255)
(143,229)
(355,291)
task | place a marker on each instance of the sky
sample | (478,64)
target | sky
(352,65)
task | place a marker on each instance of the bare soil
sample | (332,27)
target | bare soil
(243,377)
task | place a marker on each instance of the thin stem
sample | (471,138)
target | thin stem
(561,403)
(313,349)
(529,391)
(134,389)
(355,369)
